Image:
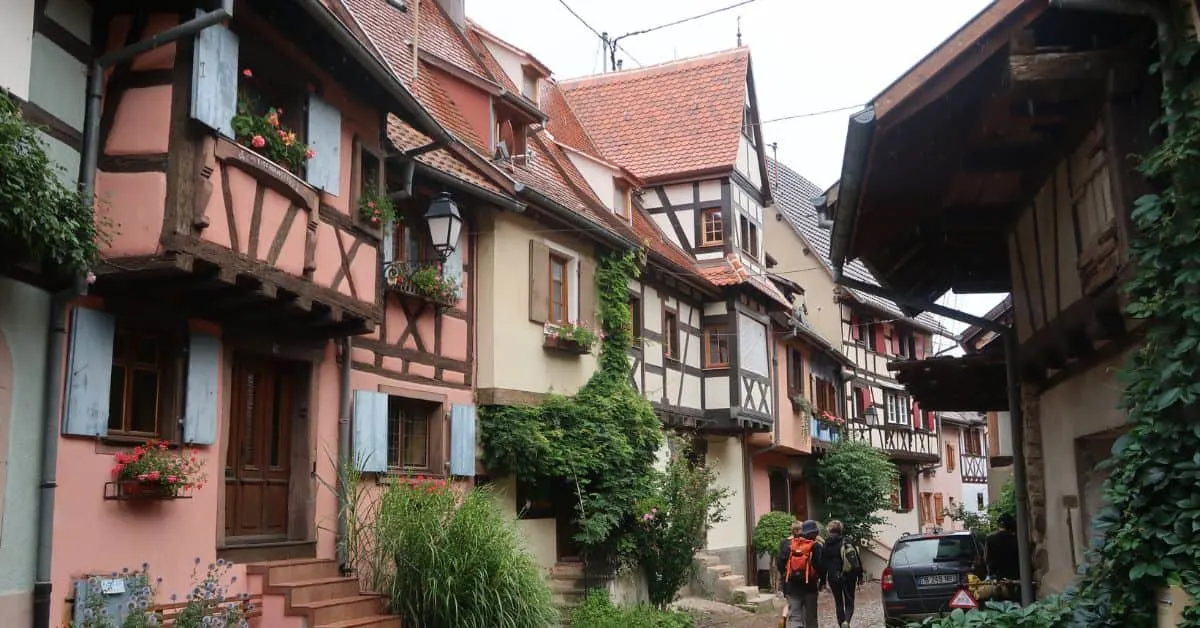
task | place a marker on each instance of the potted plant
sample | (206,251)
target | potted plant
(425,280)
(266,135)
(374,206)
(800,405)
(153,471)
(572,337)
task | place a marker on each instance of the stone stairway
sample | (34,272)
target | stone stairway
(311,593)
(567,584)
(717,581)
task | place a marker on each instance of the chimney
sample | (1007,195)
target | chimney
(456,10)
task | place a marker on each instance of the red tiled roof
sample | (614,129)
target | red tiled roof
(729,271)
(671,119)
(564,125)
(404,137)
(391,31)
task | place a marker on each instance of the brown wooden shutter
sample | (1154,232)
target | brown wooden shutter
(587,292)
(539,282)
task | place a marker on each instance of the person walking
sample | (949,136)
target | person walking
(841,567)
(799,558)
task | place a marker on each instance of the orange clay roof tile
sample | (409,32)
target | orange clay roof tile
(670,119)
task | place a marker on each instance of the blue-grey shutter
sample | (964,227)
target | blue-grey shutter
(325,139)
(204,371)
(215,78)
(370,431)
(462,439)
(89,374)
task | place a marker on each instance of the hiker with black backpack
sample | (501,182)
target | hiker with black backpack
(799,558)
(842,568)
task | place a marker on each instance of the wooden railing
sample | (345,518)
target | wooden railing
(899,441)
(974,469)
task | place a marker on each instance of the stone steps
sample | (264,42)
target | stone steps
(315,591)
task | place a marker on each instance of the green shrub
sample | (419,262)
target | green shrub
(446,558)
(598,611)
(856,481)
(770,531)
(1051,612)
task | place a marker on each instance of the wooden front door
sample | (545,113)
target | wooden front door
(257,468)
(799,500)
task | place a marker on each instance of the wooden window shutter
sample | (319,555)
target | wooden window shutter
(915,415)
(539,282)
(462,440)
(939,508)
(587,291)
(215,78)
(895,348)
(89,373)
(325,139)
(920,347)
(949,458)
(930,421)
(880,339)
(370,431)
(855,328)
(203,376)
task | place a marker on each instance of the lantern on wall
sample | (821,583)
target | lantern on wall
(445,224)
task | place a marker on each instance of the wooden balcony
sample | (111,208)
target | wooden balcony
(900,442)
(974,469)
(824,433)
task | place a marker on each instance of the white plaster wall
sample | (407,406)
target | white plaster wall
(680,194)
(747,161)
(752,345)
(1083,405)
(715,308)
(57,81)
(725,457)
(710,190)
(971,494)
(716,392)
(24,323)
(540,535)
(597,175)
(16,46)
(508,60)
(664,225)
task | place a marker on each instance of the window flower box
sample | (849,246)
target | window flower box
(800,405)
(152,472)
(421,280)
(572,337)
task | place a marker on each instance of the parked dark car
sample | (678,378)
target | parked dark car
(924,572)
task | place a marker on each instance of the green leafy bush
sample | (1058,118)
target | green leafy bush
(856,481)
(771,529)
(672,525)
(1051,612)
(446,558)
(40,218)
(598,611)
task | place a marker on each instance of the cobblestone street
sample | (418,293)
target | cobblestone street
(868,613)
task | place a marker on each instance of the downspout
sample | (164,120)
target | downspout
(56,344)
(345,456)
(55,380)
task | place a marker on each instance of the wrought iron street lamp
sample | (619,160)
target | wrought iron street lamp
(445,224)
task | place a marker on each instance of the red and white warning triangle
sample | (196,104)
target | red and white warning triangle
(963,599)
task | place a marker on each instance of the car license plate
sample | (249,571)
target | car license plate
(933,580)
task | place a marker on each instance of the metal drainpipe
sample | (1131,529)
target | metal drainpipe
(55,376)
(344,455)
(56,344)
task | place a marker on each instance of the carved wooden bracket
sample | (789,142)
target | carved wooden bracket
(207,164)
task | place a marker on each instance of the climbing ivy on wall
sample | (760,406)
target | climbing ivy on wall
(41,219)
(603,441)
(1150,532)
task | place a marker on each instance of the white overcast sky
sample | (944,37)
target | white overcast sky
(807,55)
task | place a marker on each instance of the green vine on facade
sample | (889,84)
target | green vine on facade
(41,219)
(603,441)
(1149,535)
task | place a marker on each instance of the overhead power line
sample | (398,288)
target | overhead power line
(581,20)
(615,43)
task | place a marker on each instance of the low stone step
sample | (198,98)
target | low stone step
(305,591)
(566,586)
(567,570)
(740,595)
(764,603)
(719,570)
(281,571)
(342,609)
(375,621)
(708,559)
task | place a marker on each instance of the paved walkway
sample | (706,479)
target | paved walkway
(868,613)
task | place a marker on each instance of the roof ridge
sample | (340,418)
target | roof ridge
(623,74)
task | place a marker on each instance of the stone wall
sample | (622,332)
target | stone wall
(1035,478)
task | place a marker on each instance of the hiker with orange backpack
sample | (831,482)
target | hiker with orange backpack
(799,561)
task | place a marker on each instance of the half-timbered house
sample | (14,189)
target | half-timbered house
(44,52)
(698,156)
(858,398)
(1037,112)
(237,152)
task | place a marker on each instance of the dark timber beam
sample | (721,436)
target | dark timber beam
(1051,67)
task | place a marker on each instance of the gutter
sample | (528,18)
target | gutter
(56,344)
(854,167)
(499,200)
(558,210)
(376,69)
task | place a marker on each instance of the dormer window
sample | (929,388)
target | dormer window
(621,200)
(748,124)
(749,236)
(510,139)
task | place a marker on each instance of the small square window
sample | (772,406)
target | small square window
(716,347)
(409,433)
(671,334)
(712,227)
